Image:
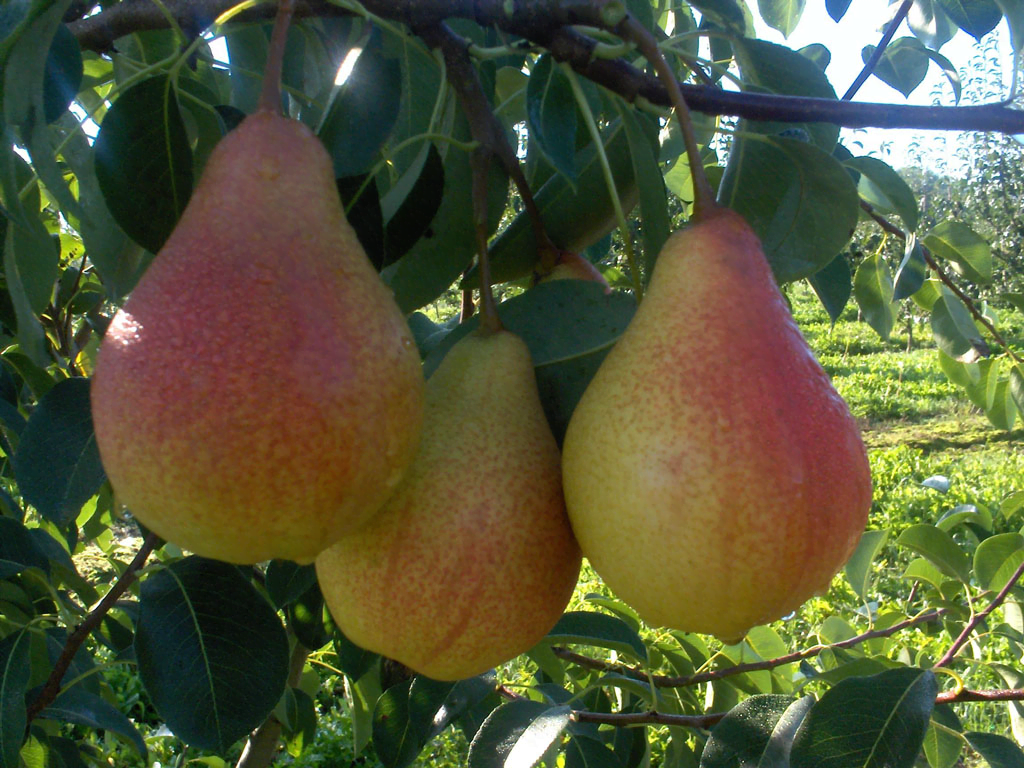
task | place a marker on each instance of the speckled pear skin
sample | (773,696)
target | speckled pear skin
(714,477)
(259,394)
(472,561)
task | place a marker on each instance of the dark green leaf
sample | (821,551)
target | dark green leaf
(873,289)
(144,161)
(410,714)
(364,214)
(23,72)
(745,734)
(212,653)
(885,189)
(858,567)
(15,667)
(364,111)
(597,629)
(965,249)
(63,75)
(286,581)
(309,619)
(551,115)
(975,17)
(30,269)
(574,218)
(834,284)
(997,558)
(420,81)
(81,707)
(299,710)
(903,65)
(953,326)
(799,200)
(352,660)
(57,463)
(911,274)
(412,203)
(584,752)
(998,751)
(782,15)
(517,734)
(950,71)
(869,722)
(18,550)
(837,8)
(939,547)
(943,743)
(655,226)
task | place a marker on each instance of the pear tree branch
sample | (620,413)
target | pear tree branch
(929,259)
(51,688)
(550,23)
(665,681)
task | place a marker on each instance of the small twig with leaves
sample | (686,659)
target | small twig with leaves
(876,55)
(929,259)
(965,635)
(51,689)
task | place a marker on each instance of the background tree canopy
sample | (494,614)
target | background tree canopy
(117,648)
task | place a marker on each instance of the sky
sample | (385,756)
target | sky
(846,39)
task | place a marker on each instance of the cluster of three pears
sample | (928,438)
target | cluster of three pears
(259,396)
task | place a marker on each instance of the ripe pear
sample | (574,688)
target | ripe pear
(259,395)
(714,477)
(472,561)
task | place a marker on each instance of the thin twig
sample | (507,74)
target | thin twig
(961,641)
(966,694)
(665,681)
(51,689)
(929,259)
(876,55)
(622,719)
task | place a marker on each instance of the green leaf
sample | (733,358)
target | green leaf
(551,115)
(212,652)
(410,714)
(834,284)
(800,201)
(30,270)
(998,751)
(63,75)
(758,731)
(297,712)
(858,567)
(144,161)
(352,660)
(15,667)
(287,581)
(939,547)
(57,463)
(18,549)
(574,217)
(1017,387)
(975,17)
(837,8)
(364,110)
(81,707)
(885,189)
(517,734)
(782,15)
(873,288)
(968,252)
(309,619)
(870,722)
(997,558)
(655,224)
(950,71)
(412,203)
(903,66)
(1013,10)
(24,70)
(1003,413)
(912,271)
(421,80)
(943,743)
(597,629)
(930,24)
(953,327)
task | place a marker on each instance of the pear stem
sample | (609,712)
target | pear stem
(703,195)
(480,161)
(270,96)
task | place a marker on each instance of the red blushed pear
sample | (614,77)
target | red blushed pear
(259,394)
(713,476)
(472,561)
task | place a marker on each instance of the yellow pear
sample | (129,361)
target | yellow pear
(713,476)
(259,394)
(472,561)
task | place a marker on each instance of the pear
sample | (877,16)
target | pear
(259,394)
(714,477)
(472,561)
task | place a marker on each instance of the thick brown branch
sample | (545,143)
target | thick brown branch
(966,694)
(547,23)
(980,617)
(51,688)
